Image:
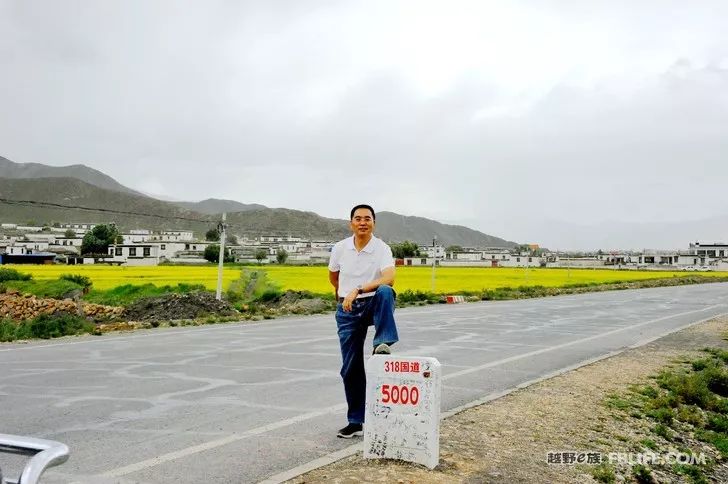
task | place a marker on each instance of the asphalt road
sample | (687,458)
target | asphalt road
(241,402)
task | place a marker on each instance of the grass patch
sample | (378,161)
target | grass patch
(718,439)
(648,443)
(648,391)
(409,296)
(9,274)
(45,326)
(253,286)
(130,293)
(615,401)
(55,288)
(604,473)
(690,402)
(695,473)
(662,415)
(719,353)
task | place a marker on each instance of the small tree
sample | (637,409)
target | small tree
(405,249)
(454,248)
(212,254)
(69,234)
(98,239)
(231,240)
(281,256)
(212,235)
(260,254)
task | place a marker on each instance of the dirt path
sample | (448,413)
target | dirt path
(507,440)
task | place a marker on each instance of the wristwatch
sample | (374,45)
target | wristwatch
(359,289)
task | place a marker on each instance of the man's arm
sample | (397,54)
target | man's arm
(334,280)
(386,279)
(371,286)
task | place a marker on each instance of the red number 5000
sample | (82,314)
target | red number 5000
(400,394)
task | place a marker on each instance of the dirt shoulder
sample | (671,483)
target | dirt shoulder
(507,440)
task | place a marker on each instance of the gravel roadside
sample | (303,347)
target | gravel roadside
(508,440)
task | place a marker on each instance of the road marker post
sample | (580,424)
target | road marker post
(403,409)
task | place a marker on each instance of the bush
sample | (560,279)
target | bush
(642,474)
(10,330)
(409,296)
(270,295)
(83,281)
(253,286)
(45,326)
(54,325)
(7,274)
(719,440)
(662,431)
(691,414)
(720,354)
(690,389)
(694,472)
(716,379)
(718,423)
(662,414)
(603,473)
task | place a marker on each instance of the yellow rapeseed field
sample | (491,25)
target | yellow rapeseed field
(456,279)
(315,279)
(106,277)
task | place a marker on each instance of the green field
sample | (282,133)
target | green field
(315,279)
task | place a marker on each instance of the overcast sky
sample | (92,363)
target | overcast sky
(542,121)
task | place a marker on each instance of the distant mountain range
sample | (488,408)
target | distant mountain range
(214,205)
(10,169)
(77,193)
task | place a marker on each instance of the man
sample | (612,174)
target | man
(361,269)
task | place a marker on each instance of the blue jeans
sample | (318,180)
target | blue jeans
(377,310)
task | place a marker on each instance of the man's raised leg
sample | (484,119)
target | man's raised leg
(381,310)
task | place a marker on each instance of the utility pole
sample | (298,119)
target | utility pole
(434,259)
(221,229)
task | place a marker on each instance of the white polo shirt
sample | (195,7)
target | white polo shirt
(357,268)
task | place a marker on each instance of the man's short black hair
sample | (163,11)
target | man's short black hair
(363,205)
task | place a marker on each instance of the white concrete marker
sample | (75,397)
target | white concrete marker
(403,409)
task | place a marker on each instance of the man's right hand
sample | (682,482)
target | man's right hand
(349,300)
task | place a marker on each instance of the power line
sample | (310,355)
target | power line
(212,219)
(101,210)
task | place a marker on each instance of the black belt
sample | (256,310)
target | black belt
(341,299)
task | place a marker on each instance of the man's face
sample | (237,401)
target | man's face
(362,223)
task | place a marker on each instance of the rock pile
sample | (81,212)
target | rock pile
(178,306)
(20,307)
(300,302)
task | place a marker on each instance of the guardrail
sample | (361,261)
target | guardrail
(43,454)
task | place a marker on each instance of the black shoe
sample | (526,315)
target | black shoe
(382,349)
(351,430)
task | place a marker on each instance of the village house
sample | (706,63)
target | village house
(134,254)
